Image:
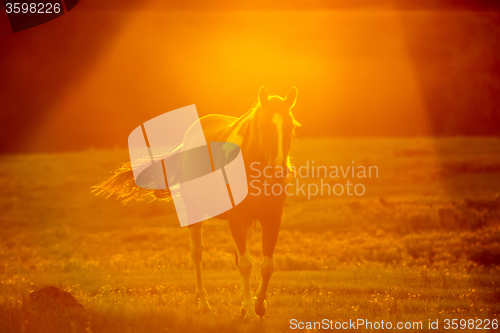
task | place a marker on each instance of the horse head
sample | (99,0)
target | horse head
(276,125)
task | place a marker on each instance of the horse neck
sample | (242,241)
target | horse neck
(253,140)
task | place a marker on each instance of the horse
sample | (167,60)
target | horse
(264,135)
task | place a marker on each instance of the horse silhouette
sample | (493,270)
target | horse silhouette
(264,135)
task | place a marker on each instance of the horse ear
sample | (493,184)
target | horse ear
(291,97)
(263,95)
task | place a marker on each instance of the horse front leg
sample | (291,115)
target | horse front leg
(270,231)
(241,230)
(196,247)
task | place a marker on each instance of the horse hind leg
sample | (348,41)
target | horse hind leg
(196,247)
(245,264)
(267,270)
(250,232)
(270,230)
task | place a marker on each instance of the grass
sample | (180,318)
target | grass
(422,243)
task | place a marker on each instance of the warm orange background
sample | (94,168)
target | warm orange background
(88,78)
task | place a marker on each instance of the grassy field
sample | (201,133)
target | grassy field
(422,243)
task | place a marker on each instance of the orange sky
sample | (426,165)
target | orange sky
(93,76)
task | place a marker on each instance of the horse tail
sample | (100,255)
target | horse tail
(122,184)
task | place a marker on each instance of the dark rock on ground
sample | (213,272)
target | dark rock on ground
(52,298)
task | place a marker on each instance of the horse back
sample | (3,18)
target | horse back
(217,127)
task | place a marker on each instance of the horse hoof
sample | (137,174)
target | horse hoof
(260,308)
(204,309)
(248,312)
(251,317)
